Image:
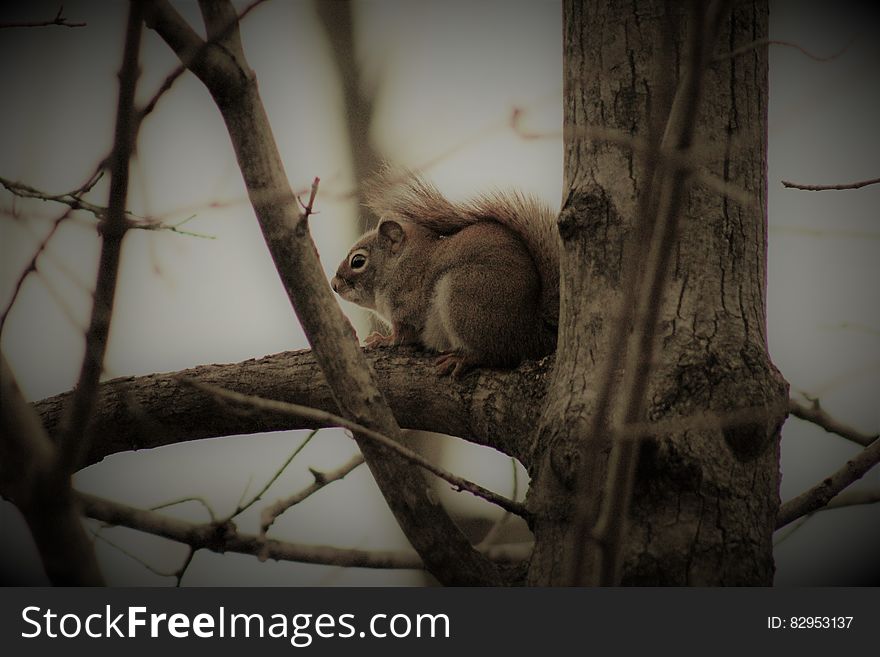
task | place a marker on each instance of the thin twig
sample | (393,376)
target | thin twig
(76,202)
(241,508)
(308,207)
(184,500)
(61,302)
(31,267)
(59,21)
(458,483)
(131,555)
(789,44)
(824,188)
(184,566)
(822,493)
(495,530)
(816,414)
(321,479)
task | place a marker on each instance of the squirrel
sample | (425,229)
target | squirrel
(476,282)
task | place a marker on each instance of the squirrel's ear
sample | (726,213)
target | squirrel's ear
(393,234)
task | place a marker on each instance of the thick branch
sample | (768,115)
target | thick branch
(492,408)
(31,476)
(822,493)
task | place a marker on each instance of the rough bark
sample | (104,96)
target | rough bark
(705,500)
(493,407)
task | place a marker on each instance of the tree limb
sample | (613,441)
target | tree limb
(493,408)
(223,537)
(816,414)
(224,71)
(323,417)
(31,476)
(822,493)
(270,513)
(74,435)
(823,188)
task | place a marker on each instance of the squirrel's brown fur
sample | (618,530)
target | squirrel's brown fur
(477,282)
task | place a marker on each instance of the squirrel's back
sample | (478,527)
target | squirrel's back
(404,196)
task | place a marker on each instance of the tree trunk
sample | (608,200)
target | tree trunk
(706,493)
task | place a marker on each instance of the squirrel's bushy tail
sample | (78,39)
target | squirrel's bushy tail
(405,196)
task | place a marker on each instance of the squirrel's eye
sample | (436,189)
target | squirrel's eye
(358,260)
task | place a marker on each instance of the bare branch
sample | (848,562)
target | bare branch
(183,500)
(850,498)
(749,47)
(308,207)
(222,537)
(59,21)
(173,76)
(133,412)
(74,437)
(458,483)
(271,513)
(816,414)
(820,494)
(131,555)
(232,84)
(823,188)
(842,500)
(242,507)
(75,201)
(31,267)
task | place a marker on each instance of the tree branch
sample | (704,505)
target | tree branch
(75,201)
(823,188)
(325,418)
(820,494)
(816,414)
(749,47)
(224,71)
(31,266)
(59,21)
(32,478)
(271,513)
(74,436)
(491,408)
(223,537)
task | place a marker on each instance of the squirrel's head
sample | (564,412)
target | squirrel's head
(367,264)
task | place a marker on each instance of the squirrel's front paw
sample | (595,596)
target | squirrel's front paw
(454,364)
(376,340)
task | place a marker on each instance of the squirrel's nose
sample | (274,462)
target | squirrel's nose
(334,284)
